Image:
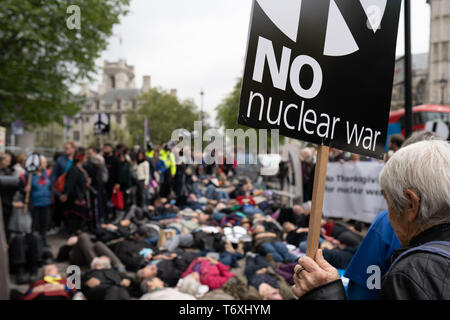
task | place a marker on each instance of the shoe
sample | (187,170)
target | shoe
(33,277)
(269,259)
(21,276)
(240,247)
(229,247)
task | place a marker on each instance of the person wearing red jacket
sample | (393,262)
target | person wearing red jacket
(210,272)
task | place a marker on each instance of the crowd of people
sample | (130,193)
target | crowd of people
(145,224)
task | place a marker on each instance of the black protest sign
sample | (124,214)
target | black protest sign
(33,162)
(322,71)
(101,124)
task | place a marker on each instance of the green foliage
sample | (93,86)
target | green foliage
(41,59)
(165,114)
(228,112)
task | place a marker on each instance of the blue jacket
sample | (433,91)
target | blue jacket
(376,249)
(61,166)
(40,190)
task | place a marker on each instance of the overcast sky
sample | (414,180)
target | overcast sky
(195,44)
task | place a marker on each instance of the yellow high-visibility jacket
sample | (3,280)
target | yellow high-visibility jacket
(169,159)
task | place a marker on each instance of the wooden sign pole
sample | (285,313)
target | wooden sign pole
(27,195)
(320,177)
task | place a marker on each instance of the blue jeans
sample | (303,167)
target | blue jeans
(302,245)
(230,259)
(164,216)
(279,251)
(250,210)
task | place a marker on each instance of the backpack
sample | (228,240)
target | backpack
(441,248)
(104,173)
(60,183)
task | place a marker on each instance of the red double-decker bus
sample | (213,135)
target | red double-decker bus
(429,117)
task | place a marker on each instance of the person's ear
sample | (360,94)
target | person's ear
(413,206)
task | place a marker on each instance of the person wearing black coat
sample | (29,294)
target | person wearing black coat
(74,197)
(105,283)
(416,185)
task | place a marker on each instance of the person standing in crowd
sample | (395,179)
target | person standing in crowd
(308,169)
(416,185)
(19,166)
(7,197)
(180,175)
(395,142)
(168,157)
(142,177)
(62,165)
(98,175)
(126,178)
(40,194)
(283,172)
(113,165)
(378,245)
(75,195)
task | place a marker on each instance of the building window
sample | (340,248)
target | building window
(435,52)
(113,82)
(87,119)
(119,118)
(134,103)
(119,104)
(76,135)
(88,107)
(445,51)
(97,105)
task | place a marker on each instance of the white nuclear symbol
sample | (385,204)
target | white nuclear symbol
(438,127)
(101,121)
(32,162)
(339,41)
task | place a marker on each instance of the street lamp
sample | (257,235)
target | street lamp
(202,94)
(443,83)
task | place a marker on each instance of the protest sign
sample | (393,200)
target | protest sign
(352,191)
(321,71)
(2,139)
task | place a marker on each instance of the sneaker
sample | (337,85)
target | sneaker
(53,231)
(21,276)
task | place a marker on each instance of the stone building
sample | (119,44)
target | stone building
(115,96)
(439,59)
(419,81)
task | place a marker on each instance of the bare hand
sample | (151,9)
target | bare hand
(315,274)
(63,198)
(93,282)
(19,204)
(261,271)
(125,283)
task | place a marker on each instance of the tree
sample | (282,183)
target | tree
(42,56)
(165,114)
(228,112)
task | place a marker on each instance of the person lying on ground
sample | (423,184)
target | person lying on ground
(169,271)
(52,286)
(104,283)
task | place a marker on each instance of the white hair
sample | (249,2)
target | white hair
(100,263)
(424,168)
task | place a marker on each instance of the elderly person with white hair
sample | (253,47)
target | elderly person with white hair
(103,282)
(40,195)
(416,185)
